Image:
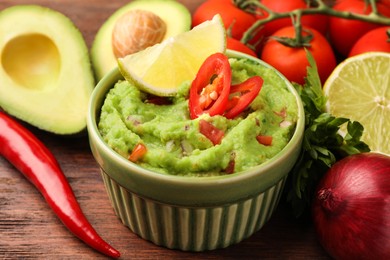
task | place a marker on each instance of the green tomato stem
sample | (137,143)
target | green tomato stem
(373,6)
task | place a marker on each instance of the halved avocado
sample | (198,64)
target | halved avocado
(176,16)
(45,70)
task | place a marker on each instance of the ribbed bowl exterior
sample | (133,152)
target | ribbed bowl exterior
(192,228)
(186,213)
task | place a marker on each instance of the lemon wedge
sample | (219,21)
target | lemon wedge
(163,67)
(359,89)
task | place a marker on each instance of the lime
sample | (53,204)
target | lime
(163,67)
(359,89)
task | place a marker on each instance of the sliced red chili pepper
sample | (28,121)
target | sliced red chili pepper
(264,139)
(233,101)
(34,160)
(213,133)
(137,153)
(241,95)
(209,92)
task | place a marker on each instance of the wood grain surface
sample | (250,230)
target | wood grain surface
(30,230)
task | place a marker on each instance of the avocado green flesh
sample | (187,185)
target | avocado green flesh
(173,141)
(176,16)
(45,71)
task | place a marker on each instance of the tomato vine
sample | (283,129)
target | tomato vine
(320,7)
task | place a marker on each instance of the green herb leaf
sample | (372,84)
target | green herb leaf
(323,143)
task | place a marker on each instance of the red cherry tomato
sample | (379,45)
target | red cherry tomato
(233,17)
(375,40)
(234,44)
(209,92)
(213,133)
(242,95)
(318,22)
(292,61)
(344,33)
(264,139)
(138,152)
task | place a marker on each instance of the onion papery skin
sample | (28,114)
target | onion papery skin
(351,208)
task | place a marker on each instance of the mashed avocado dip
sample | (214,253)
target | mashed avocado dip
(173,141)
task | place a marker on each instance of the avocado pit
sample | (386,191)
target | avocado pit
(137,30)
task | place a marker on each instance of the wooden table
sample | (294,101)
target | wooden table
(29,229)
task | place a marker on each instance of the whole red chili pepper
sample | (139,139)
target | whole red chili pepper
(31,157)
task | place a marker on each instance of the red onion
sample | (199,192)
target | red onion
(351,208)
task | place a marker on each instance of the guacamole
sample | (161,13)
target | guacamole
(174,142)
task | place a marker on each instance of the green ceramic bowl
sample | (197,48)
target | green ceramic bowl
(191,213)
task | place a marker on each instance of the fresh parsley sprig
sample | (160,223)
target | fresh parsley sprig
(323,144)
